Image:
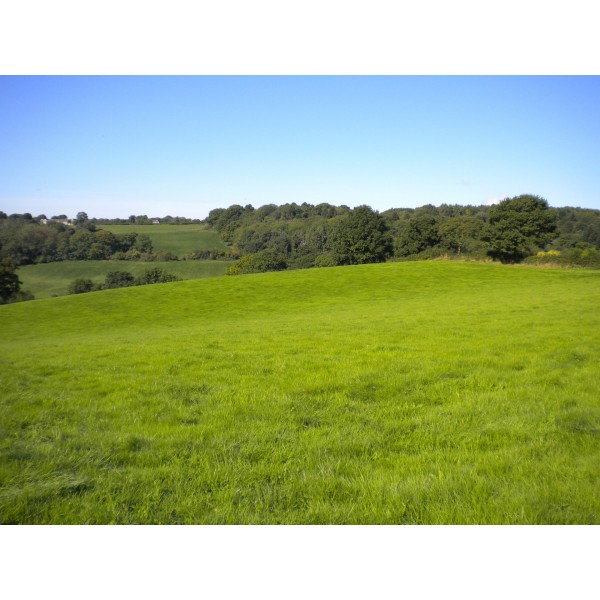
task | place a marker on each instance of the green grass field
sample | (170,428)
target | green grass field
(178,239)
(53,279)
(403,393)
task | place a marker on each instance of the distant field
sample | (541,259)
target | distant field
(178,239)
(401,393)
(53,279)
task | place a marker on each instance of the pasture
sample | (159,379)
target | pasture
(398,393)
(53,279)
(178,239)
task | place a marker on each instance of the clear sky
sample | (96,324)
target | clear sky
(116,146)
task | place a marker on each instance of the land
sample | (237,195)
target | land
(406,393)
(53,279)
(177,239)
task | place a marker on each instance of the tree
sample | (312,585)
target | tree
(418,234)
(460,234)
(519,226)
(143,243)
(9,281)
(360,236)
(155,275)
(118,279)
(259,262)
(81,285)
(226,221)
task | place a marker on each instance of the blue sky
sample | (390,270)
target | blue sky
(116,146)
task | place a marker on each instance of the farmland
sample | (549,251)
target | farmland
(177,239)
(53,279)
(409,393)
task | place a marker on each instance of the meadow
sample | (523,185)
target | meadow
(397,393)
(177,239)
(52,279)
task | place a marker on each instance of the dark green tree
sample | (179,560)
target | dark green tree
(418,234)
(519,226)
(9,281)
(259,262)
(118,279)
(226,221)
(360,236)
(155,275)
(460,234)
(81,285)
(143,243)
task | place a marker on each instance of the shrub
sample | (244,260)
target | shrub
(155,275)
(259,262)
(118,279)
(585,255)
(81,285)
(212,254)
(9,281)
(325,260)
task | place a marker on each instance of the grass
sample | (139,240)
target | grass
(178,239)
(397,393)
(53,279)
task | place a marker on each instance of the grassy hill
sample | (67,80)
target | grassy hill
(395,393)
(178,239)
(53,279)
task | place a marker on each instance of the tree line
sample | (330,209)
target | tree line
(291,236)
(119,279)
(145,220)
(523,228)
(26,240)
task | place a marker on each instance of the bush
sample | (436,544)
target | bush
(118,279)
(584,255)
(211,255)
(155,275)
(259,262)
(9,281)
(161,256)
(81,285)
(325,260)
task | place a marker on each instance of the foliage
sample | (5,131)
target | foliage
(213,254)
(359,237)
(225,221)
(461,234)
(52,279)
(145,220)
(155,275)
(259,262)
(302,233)
(118,279)
(325,260)
(419,234)
(10,284)
(30,242)
(584,255)
(82,285)
(518,226)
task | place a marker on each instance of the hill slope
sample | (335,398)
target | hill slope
(394,393)
(52,279)
(177,239)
